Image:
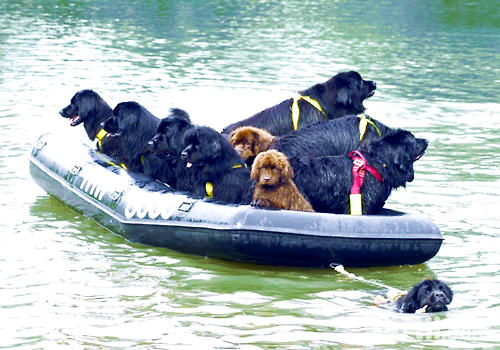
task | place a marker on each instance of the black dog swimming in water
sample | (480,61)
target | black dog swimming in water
(341,95)
(427,296)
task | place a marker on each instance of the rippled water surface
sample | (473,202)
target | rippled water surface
(69,283)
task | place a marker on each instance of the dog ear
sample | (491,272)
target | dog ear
(344,97)
(255,171)
(286,171)
(447,291)
(214,148)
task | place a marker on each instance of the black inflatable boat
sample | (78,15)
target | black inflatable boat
(149,212)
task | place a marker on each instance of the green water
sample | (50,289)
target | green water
(69,283)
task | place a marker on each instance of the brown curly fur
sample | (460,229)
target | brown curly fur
(249,141)
(274,186)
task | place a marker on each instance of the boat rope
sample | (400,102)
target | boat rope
(392,293)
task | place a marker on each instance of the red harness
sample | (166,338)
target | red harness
(359,169)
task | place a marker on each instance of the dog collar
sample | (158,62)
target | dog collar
(296,109)
(363,124)
(209,187)
(101,134)
(359,169)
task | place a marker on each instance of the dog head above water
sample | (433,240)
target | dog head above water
(271,168)
(428,296)
(87,107)
(249,141)
(343,94)
(169,139)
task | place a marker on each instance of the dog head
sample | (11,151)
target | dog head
(249,141)
(344,93)
(203,145)
(169,139)
(398,151)
(87,107)
(432,295)
(271,168)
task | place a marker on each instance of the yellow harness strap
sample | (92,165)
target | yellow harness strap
(100,136)
(116,165)
(296,109)
(363,123)
(209,187)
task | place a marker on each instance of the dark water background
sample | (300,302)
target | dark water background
(69,283)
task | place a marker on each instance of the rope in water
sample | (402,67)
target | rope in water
(392,292)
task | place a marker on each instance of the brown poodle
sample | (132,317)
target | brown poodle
(249,141)
(274,186)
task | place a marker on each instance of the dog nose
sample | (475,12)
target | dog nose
(439,295)
(184,155)
(61,112)
(267,178)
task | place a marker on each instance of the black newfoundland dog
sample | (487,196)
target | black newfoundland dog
(341,95)
(220,172)
(334,137)
(168,144)
(133,125)
(427,296)
(89,108)
(327,181)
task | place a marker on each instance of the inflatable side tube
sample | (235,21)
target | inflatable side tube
(149,212)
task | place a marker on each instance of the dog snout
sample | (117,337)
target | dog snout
(439,295)
(184,155)
(61,112)
(266,178)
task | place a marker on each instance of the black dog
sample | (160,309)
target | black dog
(221,173)
(341,95)
(134,126)
(168,144)
(89,108)
(427,296)
(327,181)
(335,137)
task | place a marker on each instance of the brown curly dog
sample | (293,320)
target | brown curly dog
(274,186)
(249,141)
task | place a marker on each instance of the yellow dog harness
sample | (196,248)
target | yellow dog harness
(209,187)
(296,109)
(101,135)
(363,123)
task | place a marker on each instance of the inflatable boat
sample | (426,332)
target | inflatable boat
(149,212)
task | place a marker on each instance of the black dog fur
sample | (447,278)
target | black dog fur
(134,126)
(87,107)
(327,181)
(341,95)
(433,295)
(213,159)
(168,144)
(334,137)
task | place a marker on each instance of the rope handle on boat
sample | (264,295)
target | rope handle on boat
(392,293)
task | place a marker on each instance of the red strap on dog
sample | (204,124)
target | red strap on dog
(359,169)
